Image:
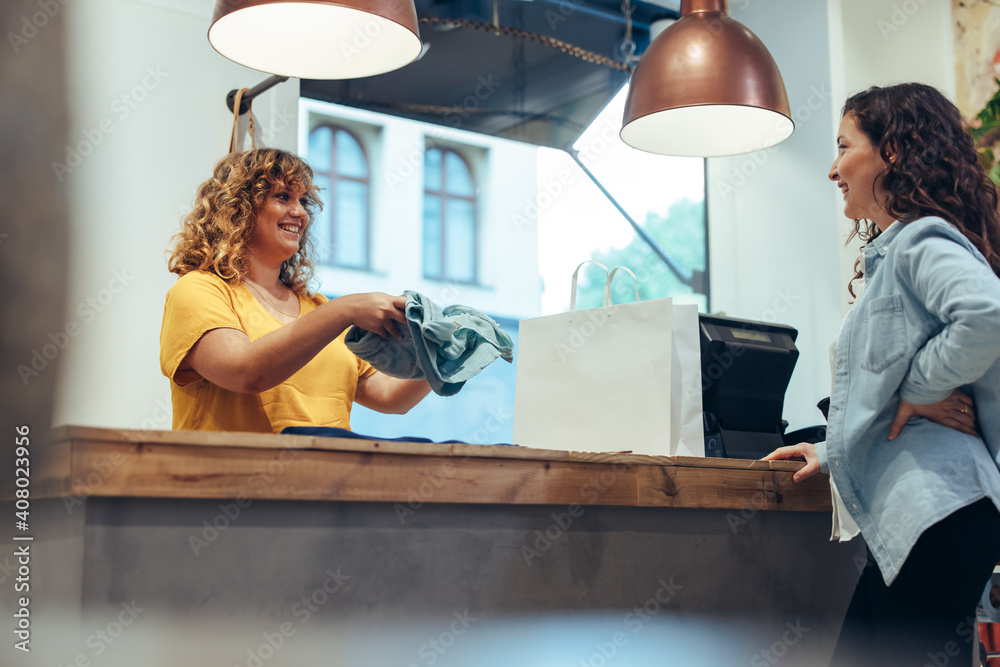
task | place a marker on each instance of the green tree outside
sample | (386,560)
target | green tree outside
(681,235)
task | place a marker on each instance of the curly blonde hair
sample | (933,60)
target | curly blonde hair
(215,236)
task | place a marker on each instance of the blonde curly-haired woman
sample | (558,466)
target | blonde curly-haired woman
(245,343)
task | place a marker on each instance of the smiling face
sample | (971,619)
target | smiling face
(856,171)
(280,225)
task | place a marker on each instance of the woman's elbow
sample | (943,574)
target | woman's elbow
(394,409)
(252,381)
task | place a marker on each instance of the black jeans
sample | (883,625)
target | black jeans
(927,616)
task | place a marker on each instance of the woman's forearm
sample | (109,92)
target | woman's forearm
(390,395)
(228,358)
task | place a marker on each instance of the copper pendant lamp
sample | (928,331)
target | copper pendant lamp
(706,87)
(311,39)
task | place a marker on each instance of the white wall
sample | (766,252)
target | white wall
(881,42)
(773,245)
(151,148)
(776,227)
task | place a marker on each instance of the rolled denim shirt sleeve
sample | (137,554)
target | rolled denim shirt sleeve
(959,288)
(824,462)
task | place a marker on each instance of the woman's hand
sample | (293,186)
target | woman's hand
(955,411)
(374,311)
(804,451)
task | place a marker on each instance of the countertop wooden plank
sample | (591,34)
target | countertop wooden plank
(199,472)
(186,464)
(280,441)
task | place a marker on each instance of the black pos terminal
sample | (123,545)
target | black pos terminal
(745,370)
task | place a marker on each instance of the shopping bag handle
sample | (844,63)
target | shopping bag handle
(611,276)
(572,298)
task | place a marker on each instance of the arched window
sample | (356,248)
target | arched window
(340,230)
(450,234)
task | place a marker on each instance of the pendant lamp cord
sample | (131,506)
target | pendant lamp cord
(628,44)
(236,121)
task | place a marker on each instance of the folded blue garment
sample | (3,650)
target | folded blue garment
(445,346)
(333,432)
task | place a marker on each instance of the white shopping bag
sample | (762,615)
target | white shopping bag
(610,379)
(687,429)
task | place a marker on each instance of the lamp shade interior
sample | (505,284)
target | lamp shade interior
(314,40)
(707,130)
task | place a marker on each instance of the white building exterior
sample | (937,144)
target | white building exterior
(505,177)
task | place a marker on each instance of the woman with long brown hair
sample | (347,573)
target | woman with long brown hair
(245,343)
(913,438)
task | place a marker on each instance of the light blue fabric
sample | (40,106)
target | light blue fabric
(928,321)
(446,346)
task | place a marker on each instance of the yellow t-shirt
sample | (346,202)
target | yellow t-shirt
(319,394)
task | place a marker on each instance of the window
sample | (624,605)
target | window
(450,235)
(340,230)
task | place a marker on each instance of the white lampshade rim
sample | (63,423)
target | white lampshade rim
(249,46)
(638,129)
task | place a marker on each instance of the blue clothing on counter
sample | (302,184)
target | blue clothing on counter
(333,432)
(445,346)
(926,323)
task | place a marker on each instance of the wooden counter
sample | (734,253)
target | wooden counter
(236,536)
(198,464)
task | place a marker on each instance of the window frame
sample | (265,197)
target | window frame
(444,196)
(333,176)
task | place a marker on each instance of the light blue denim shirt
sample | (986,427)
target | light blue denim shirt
(927,322)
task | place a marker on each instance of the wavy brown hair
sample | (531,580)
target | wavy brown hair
(215,236)
(931,165)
